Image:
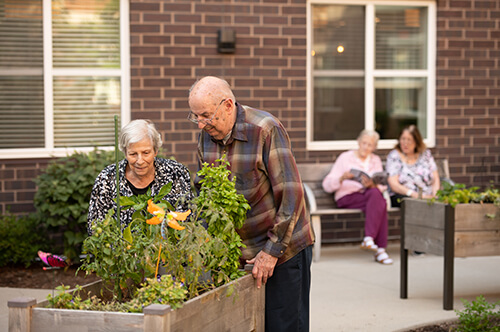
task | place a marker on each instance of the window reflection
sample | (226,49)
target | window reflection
(400,37)
(400,102)
(338,108)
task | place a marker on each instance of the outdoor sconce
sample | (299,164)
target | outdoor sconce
(226,41)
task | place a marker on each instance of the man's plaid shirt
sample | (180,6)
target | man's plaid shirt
(261,159)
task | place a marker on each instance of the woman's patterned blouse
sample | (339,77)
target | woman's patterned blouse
(104,190)
(418,175)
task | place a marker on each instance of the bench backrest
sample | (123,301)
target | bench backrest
(313,175)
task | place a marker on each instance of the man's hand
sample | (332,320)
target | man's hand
(263,267)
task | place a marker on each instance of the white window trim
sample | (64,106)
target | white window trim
(429,73)
(124,72)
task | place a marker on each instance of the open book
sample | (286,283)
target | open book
(378,178)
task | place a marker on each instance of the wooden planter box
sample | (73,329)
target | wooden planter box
(212,311)
(440,229)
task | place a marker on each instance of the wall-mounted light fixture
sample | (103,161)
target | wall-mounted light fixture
(226,41)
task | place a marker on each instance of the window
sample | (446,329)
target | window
(64,68)
(370,66)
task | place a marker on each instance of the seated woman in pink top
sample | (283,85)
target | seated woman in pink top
(361,192)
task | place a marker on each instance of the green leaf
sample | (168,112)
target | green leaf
(127,234)
(126,201)
(165,190)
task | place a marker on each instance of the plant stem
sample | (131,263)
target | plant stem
(117,173)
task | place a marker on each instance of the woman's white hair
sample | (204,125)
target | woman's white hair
(135,131)
(369,133)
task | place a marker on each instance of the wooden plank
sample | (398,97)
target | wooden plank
(424,239)
(421,213)
(61,320)
(19,320)
(477,243)
(223,313)
(473,217)
(157,317)
(324,212)
(243,310)
(336,211)
(311,172)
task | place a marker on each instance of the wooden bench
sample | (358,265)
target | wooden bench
(321,203)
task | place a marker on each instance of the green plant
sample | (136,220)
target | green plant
(63,194)
(201,258)
(22,237)
(459,194)
(223,209)
(162,291)
(121,272)
(478,316)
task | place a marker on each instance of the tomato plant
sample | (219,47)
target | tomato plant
(200,253)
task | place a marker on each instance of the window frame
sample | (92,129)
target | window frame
(371,73)
(49,73)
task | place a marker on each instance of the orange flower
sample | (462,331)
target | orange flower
(172,217)
(157,212)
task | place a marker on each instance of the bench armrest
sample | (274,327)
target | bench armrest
(310,199)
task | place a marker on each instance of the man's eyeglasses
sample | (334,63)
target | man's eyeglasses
(195,118)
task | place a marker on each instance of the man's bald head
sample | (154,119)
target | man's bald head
(210,89)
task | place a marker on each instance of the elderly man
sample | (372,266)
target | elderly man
(277,233)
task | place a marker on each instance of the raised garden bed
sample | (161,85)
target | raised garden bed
(465,230)
(214,311)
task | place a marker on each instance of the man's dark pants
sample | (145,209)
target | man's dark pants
(288,294)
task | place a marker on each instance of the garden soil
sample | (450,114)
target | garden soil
(35,276)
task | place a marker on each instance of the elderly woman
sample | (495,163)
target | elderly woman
(411,167)
(363,193)
(139,172)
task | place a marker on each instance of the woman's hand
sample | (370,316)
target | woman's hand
(346,176)
(367,182)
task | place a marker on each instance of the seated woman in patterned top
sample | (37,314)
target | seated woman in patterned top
(411,168)
(140,170)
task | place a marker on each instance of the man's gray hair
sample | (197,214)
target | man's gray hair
(135,131)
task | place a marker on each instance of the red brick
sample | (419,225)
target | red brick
(135,28)
(141,7)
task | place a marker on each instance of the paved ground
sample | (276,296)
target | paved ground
(350,292)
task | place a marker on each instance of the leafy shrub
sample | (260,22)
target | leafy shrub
(63,194)
(478,315)
(21,237)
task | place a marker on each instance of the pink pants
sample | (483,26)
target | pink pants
(374,206)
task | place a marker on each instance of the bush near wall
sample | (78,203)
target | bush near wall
(62,198)
(21,238)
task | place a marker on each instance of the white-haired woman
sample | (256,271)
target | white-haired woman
(363,193)
(140,171)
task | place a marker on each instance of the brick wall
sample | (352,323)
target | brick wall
(173,42)
(468,86)
(17,188)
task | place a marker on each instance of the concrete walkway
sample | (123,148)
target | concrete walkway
(350,292)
